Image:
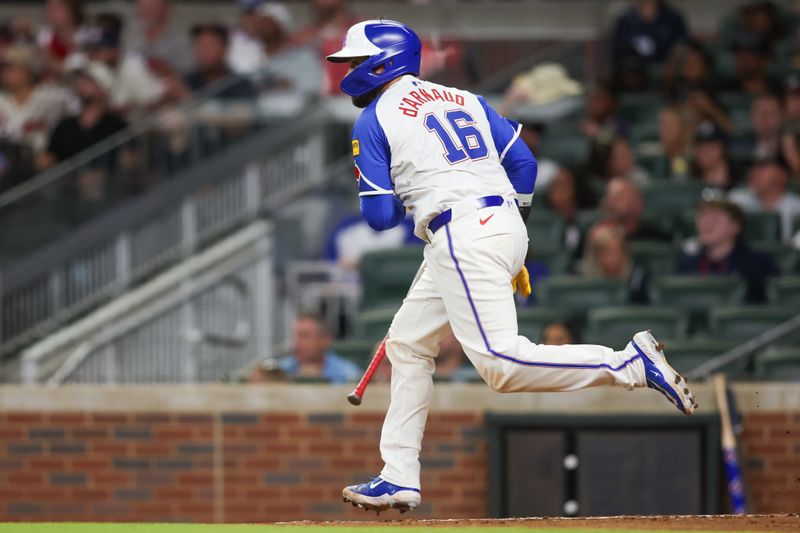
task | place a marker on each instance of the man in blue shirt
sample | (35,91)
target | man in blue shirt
(313,357)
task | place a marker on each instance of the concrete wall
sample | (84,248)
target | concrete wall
(279,452)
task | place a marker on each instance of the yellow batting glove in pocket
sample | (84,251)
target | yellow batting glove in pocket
(522,282)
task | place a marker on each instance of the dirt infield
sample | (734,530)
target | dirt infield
(769,522)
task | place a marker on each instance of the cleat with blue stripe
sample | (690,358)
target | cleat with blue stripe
(660,376)
(379,495)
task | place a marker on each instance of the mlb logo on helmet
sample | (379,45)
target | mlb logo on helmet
(384,43)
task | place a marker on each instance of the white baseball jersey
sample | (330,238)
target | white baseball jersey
(433,146)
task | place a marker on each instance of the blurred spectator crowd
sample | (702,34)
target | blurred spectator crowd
(77,78)
(682,158)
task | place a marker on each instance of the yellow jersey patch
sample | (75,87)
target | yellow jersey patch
(356,148)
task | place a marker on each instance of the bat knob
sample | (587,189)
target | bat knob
(354,399)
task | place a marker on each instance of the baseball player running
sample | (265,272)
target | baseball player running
(463,173)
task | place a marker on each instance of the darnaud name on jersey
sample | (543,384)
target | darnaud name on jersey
(417,98)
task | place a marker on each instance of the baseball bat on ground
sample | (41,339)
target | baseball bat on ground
(358,393)
(730,453)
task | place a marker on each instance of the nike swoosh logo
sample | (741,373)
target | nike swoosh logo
(485,220)
(375,484)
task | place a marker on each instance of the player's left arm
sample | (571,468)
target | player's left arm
(515,156)
(381,207)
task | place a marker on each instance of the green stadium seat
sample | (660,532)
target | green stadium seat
(796,222)
(784,255)
(779,363)
(386,275)
(671,198)
(562,128)
(684,224)
(615,326)
(566,149)
(785,291)
(358,351)
(644,132)
(545,229)
(696,295)
(655,164)
(579,294)
(685,355)
(373,325)
(658,258)
(532,320)
(639,107)
(736,101)
(762,227)
(557,259)
(738,108)
(748,321)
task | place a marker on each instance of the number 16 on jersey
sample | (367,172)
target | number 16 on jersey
(472,146)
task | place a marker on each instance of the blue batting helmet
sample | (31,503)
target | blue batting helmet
(386,43)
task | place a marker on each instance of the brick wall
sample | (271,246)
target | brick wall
(233,467)
(236,454)
(770,456)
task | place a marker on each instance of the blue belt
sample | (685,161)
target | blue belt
(446,216)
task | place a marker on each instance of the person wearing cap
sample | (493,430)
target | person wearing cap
(94,122)
(28,109)
(165,47)
(767,191)
(210,44)
(245,52)
(135,87)
(711,164)
(719,249)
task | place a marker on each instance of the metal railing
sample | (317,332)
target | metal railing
(169,222)
(746,349)
(199,321)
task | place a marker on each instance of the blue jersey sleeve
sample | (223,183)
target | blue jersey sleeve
(381,208)
(515,156)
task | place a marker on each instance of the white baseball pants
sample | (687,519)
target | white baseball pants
(465,284)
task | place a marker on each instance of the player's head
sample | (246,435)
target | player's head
(378,51)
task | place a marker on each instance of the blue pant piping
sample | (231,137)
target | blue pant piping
(508,357)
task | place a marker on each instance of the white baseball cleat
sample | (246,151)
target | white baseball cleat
(659,375)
